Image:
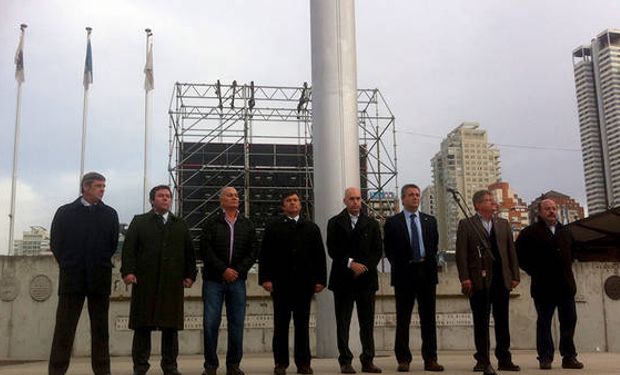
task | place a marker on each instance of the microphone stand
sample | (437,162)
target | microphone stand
(483,245)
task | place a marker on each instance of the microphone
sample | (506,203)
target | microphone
(451,190)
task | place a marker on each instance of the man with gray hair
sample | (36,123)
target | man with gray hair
(83,239)
(228,249)
(488,271)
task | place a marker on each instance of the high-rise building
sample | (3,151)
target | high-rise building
(569,210)
(510,206)
(427,200)
(597,83)
(36,241)
(468,163)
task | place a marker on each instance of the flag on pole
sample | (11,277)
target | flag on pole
(19,59)
(88,65)
(149,81)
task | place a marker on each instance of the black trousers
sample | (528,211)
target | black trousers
(567,315)
(423,289)
(67,317)
(285,303)
(141,349)
(365,302)
(491,298)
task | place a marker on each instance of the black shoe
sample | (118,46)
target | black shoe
(172,372)
(234,370)
(209,371)
(489,370)
(279,370)
(508,366)
(403,367)
(479,367)
(432,366)
(347,369)
(370,367)
(306,370)
(572,363)
(545,364)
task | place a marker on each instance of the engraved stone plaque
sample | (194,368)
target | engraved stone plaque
(612,287)
(9,289)
(40,288)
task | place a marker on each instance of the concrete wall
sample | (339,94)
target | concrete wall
(27,313)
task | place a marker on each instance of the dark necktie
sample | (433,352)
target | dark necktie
(415,240)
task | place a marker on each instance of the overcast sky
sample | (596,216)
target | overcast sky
(506,64)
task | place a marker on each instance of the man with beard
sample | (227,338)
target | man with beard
(544,250)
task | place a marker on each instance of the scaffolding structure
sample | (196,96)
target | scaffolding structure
(259,140)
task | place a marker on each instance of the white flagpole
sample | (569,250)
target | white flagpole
(19,76)
(88,79)
(148,87)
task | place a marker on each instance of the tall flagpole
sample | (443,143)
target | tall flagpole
(88,79)
(149,85)
(19,77)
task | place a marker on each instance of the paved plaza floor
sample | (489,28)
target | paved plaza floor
(455,362)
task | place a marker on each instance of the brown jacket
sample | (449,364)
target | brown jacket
(471,263)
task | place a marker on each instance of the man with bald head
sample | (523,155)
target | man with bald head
(228,249)
(354,244)
(545,253)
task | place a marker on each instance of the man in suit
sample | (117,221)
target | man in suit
(354,244)
(292,268)
(410,244)
(83,239)
(228,249)
(488,271)
(159,261)
(545,253)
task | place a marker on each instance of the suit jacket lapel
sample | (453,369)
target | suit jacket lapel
(403,222)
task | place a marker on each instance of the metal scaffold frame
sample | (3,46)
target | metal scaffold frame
(235,119)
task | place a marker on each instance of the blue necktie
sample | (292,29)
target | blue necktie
(415,240)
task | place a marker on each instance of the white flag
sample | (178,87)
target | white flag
(19,60)
(88,66)
(149,81)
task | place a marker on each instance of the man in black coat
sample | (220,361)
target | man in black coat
(410,242)
(545,253)
(159,261)
(228,249)
(292,268)
(83,239)
(354,244)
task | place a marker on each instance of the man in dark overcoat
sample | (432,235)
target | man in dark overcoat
(228,249)
(545,253)
(292,268)
(354,244)
(488,271)
(83,238)
(159,261)
(410,242)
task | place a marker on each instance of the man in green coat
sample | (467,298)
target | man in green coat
(159,261)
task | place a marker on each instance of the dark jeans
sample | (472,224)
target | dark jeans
(141,349)
(285,303)
(365,302)
(67,317)
(567,315)
(424,291)
(214,295)
(482,301)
